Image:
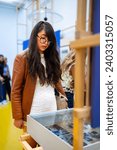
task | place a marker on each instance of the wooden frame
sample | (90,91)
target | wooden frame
(85,42)
(81,112)
(25,144)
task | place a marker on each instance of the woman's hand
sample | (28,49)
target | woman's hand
(1,79)
(19,123)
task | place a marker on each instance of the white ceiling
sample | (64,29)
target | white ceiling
(11,2)
(21,2)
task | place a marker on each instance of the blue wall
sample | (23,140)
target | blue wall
(25,44)
(95,78)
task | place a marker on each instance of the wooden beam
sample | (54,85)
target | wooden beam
(88,57)
(23,140)
(25,137)
(85,42)
(78,99)
(81,18)
(79,76)
(82,113)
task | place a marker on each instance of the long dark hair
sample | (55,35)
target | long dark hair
(36,68)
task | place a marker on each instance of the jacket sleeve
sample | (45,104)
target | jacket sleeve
(17,87)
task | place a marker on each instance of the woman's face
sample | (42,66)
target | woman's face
(42,41)
(1,58)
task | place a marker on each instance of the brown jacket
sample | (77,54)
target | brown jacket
(23,88)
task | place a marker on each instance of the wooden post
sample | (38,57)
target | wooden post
(88,69)
(89,41)
(79,77)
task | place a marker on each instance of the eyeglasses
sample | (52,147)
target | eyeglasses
(43,40)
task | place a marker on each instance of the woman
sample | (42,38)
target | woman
(7,78)
(68,76)
(2,86)
(36,73)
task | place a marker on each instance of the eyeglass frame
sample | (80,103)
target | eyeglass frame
(44,38)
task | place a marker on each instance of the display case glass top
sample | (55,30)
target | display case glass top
(60,123)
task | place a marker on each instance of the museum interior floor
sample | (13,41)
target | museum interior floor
(9,135)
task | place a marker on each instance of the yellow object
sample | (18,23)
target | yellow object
(9,135)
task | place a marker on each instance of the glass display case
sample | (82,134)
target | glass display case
(53,130)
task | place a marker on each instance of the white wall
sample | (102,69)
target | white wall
(21,29)
(68,9)
(8,43)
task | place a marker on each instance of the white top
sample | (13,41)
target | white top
(44,97)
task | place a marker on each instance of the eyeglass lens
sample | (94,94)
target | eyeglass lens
(43,40)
